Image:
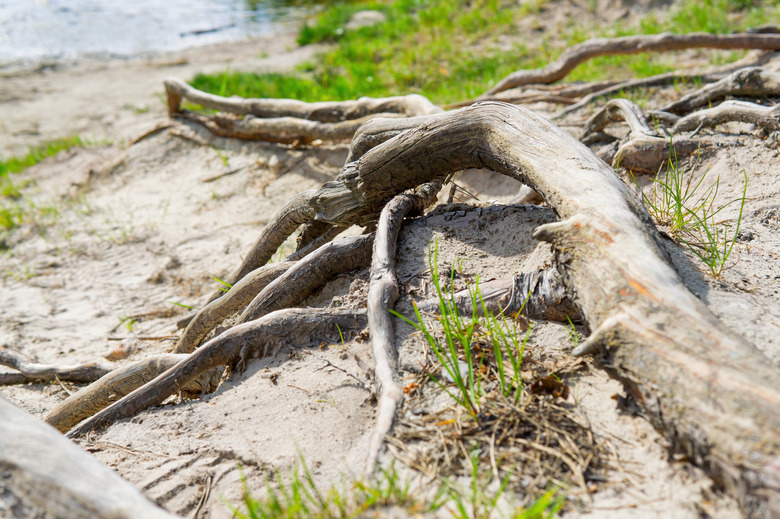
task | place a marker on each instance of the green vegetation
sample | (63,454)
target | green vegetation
(297,495)
(16,209)
(454,50)
(466,337)
(687,211)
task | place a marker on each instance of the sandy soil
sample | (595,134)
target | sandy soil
(138,226)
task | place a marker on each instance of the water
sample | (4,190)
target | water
(45,31)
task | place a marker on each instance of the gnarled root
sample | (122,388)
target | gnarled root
(120,382)
(749,81)
(767,117)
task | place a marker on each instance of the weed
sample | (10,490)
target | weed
(188,307)
(298,496)
(37,154)
(463,336)
(688,212)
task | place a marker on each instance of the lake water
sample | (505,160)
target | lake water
(43,31)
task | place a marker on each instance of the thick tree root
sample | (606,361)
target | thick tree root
(32,371)
(290,121)
(297,327)
(383,292)
(540,295)
(642,150)
(751,81)
(310,273)
(120,382)
(594,48)
(44,475)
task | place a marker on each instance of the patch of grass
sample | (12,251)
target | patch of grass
(453,50)
(37,154)
(687,211)
(461,350)
(297,495)
(439,48)
(15,209)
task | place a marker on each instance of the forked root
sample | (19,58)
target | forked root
(30,370)
(296,327)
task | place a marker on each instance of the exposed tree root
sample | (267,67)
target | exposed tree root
(120,382)
(289,121)
(593,48)
(327,112)
(310,273)
(382,294)
(536,295)
(44,475)
(31,370)
(642,150)
(707,76)
(295,327)
(285,130)
(239,295)
(767,117)
(751,81)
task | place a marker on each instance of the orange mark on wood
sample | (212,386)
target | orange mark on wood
(604,236)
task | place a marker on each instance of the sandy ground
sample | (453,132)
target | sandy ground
(134,227)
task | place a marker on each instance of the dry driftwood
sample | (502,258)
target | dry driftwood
(596,47)
(44,475)
(707,389)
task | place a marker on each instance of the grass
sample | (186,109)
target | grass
(15,209)
(297,495)
(687,211)
(469,338)
(451,50)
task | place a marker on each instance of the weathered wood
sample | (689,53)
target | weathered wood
(310,273)
(619,110)
(113,386)
(282,130)
(749,81)
(767,117)
(536,295)
(297,327)
(31,370)
(666,42)
(712,393)
(239,295)
(44,475)
(383,292)
(709,75)
(328,111)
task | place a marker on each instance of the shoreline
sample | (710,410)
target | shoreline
(113,99)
